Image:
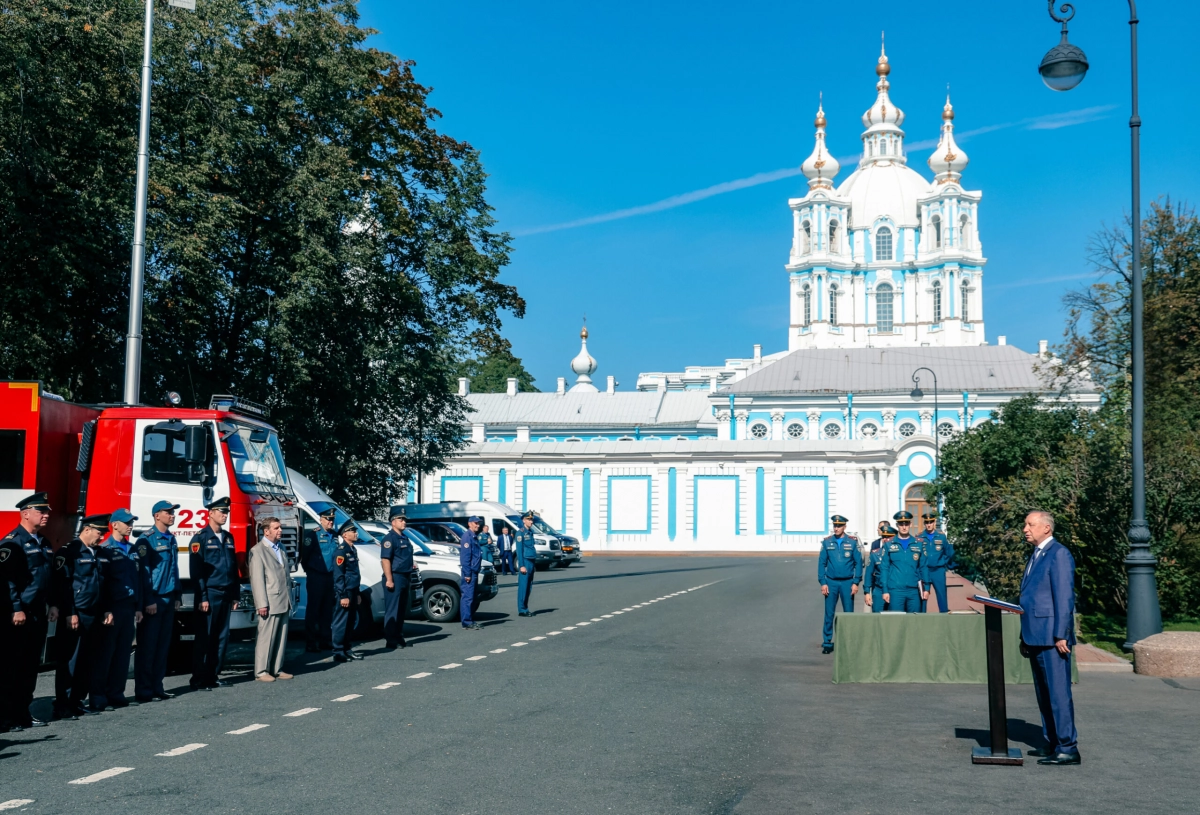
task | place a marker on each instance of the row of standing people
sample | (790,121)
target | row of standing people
(470,560)
(899,572)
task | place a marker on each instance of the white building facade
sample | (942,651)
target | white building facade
(885,280)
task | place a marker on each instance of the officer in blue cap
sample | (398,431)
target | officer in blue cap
(396,558)
(316,556)
(470,561)
(121,603)
(839,571)
(213,566)
(526,545)
(158,555)
(78,637)
(939,555)
(347,580)
(26,563)
(903,568)
(872,576)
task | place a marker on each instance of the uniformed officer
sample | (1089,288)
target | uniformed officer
(213,565)
(470,561)
(346,583)
(28,562)
(903,568)
(939,554)
(316,556)
(487,550)
(121,603)
(872,577)
(839,571)
(526,547)
(396,557)
(78,638)
(159,559)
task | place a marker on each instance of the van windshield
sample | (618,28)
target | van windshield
(340,517)
(538,524)
(257,459)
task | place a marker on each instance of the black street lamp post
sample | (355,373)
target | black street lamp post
(1063,68)
(917,395)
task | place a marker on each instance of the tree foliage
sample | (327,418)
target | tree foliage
(490,374)
(314,242)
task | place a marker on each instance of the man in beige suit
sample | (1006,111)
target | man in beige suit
(270,581)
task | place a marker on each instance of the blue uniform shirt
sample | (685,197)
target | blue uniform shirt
(872,578)
(939,553)
(526,547)
(903,564)
(470,557)
(76,579)
(839,559)
(159,559)
(29,570)
(346,576)
(397,548)
(316,553)
(121,580)
(213,560)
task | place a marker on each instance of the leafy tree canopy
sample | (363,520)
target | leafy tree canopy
(491,373)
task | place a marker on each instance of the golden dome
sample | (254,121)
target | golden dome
(882,68)
(583,334)
(948,111)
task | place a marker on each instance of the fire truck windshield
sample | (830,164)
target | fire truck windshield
(257,459)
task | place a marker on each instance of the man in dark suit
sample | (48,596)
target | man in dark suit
(1047,634)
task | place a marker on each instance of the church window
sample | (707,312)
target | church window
(937,232)
(833,430)
(868,430)
(883,308)
(833,293)
(758,430)
(807,305)
(833,237)
(964,304)
(883,244)
(937,302)
(806,241)
(797,430)
(946,430)
(907,430)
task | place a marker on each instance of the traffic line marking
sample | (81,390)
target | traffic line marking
(100,776)
(535,639)
(568,628)
(497,651)
(386,685)
(450,666)
(16,803)
(421,675)
(606,616)
(519,644)
(553,633)
(178,751)
(627,609)
(582,623)
(595,619)
(347,697)
(618,612)
(248,729)
(476,659)
(304,711)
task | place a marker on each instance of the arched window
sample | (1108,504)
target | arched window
(937,302)
(833,237)
(868,430)
(833,293)
(797,430)
(758,430)
(964,303)
(964,231)
(806,241)
(937,231)
(883,308)
(883,243)
(807,304)
(907,430)
(832,430)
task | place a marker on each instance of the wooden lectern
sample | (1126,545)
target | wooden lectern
(999,752)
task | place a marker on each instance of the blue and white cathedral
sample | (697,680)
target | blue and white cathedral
(885,282)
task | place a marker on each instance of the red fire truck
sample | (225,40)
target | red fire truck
(96,458)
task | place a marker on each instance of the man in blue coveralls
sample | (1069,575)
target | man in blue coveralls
(470,560)
(939,554)
(526,562)
(903,569)
(872,575)
(121,602)
(159,561)
(839,570)
(316,556)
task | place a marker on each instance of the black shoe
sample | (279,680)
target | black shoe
(1061,759)
(220,683)
(119,703)
(826,649)
(163,696)
(342,658)
(14,728)
(143,700)
(355,655)
(313,649)
(65,713)
(82,711)
(1038,752)
(391,646)
(34,722)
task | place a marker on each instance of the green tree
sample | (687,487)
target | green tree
(491,373)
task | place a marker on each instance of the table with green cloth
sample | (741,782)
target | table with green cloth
(924,648)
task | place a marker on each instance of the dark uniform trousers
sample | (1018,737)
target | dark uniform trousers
(75,651)
(469,603)
(395,605)
(524,589)
(344,621)
(212,634)
(937,582)
(153,645)
(838,587)
(111,668)
(318,610)
(27,643)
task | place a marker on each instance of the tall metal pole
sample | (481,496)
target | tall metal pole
(1144,615)
(133,339)
(937,439)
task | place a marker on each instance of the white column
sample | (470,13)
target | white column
(927,422)
(723,425)
(777,425)
(741,416)
(889,423)
(814,424)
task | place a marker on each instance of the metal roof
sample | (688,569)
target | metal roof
(621,409)
(888,370)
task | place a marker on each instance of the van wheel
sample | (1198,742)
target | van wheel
(441,603)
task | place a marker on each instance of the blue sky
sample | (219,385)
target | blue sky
(664,133)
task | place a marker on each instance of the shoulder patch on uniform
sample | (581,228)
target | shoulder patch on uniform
(59,562)
(340,560)
(142,550)
(4,553)
(387,544)
(195,547)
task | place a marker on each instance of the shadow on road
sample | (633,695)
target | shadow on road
(1018,730)
(537,582)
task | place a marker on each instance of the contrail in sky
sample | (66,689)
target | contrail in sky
(1051,121)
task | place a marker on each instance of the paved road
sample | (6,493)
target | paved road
(696,686)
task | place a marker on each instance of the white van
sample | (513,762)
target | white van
(495,517)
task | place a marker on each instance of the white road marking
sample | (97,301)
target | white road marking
(553,633)
(100,776)
(476,659)
(498,651)
(606,616)
(595,619)
(582,623)
(421,675)
(16,803)
(304,711)
(451,666)
(347,697)
(248,729)
(618,612)
(568,628)
(178,751)
(627,609)
(535,639)
(386,685)
(519,644)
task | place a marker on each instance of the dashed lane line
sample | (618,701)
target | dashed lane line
(178,751)
(304,711)
(476,659)
(16,803)
(100,776)
(385,686)
(247,729)
(451,666)
(595,619)
(535,639)
(553,633)
(627,609)
(421,675)
(582,623)
(347,697)
(568,628)
(618,612)
(497,651)
(519,644)
(606,616)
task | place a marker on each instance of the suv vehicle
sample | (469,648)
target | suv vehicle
(444,519)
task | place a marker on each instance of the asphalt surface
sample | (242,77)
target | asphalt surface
(713,700)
